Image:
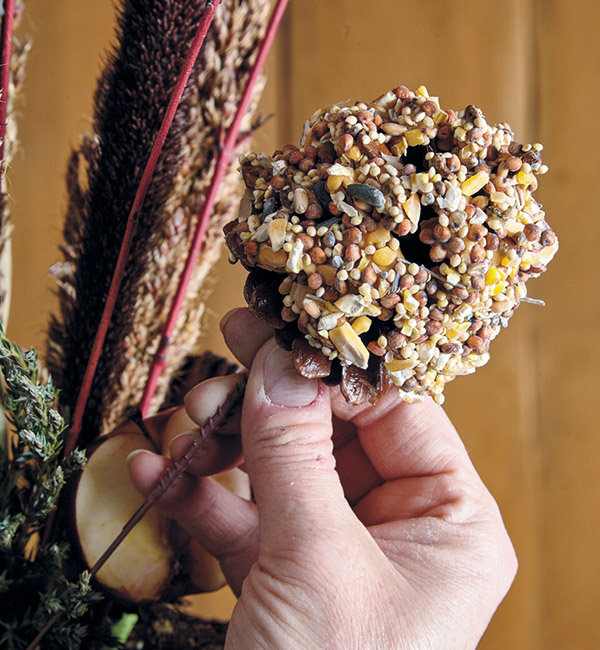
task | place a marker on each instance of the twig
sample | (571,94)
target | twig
(7,29)
(207,17)
(223,161)
(173,474)
(42,633)
(167,481)
(138,419)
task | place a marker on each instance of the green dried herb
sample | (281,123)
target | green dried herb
(33,576)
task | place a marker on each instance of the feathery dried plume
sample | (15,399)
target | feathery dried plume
(132,96)
(16,74)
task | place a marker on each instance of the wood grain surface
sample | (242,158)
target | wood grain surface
(529,418)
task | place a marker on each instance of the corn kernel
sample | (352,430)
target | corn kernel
(422,91)
(362,324)
(476,182)
(416,137)
(422,179)
(452,277)
(372,309)
(384,257)
(334,183)
(399,364)
(349,345)
(497,288)
(462,327)
(440,115)
(406,330)
(379,237)
(409,302)
(353,153)
(399,149)
(525,178)
(364,262)
(493,275)
(451,333)
(529,259)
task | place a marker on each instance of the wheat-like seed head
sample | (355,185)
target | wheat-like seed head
(132,96)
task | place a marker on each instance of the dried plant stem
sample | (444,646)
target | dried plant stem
(42,633)
(7,29)
(167,481)
(211,8)
(173,474)
(222,165)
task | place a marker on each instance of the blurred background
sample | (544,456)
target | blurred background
(529,418)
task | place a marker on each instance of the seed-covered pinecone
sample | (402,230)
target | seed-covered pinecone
(393,244)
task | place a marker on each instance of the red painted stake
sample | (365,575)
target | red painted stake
(7,29)
(221,168)
(131,227)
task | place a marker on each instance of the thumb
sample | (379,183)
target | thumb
(286,436)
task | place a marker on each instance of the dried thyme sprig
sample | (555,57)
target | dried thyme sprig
(33,471)
(133,94)
(32,475)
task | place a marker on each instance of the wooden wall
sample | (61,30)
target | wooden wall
(530,417)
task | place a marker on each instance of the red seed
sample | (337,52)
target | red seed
(345,142)
(315,281)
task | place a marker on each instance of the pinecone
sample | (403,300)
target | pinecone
(393,244)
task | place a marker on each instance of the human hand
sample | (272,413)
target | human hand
(370,528)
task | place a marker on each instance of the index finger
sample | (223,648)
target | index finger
(405,440)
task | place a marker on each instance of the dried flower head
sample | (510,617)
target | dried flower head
(133,94)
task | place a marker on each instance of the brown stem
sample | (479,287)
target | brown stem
(223,161)
(42,633)
(138,419)
(207,17)
(172,475)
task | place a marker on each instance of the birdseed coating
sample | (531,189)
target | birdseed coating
(394,243)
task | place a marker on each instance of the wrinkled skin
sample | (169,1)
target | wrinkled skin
(370,527)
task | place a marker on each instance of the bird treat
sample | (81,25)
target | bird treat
(393,244)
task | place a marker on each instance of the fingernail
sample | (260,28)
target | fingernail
(134,453)
(283,385)
(227,316)
(183,441)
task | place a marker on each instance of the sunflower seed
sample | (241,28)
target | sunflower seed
(366,193)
